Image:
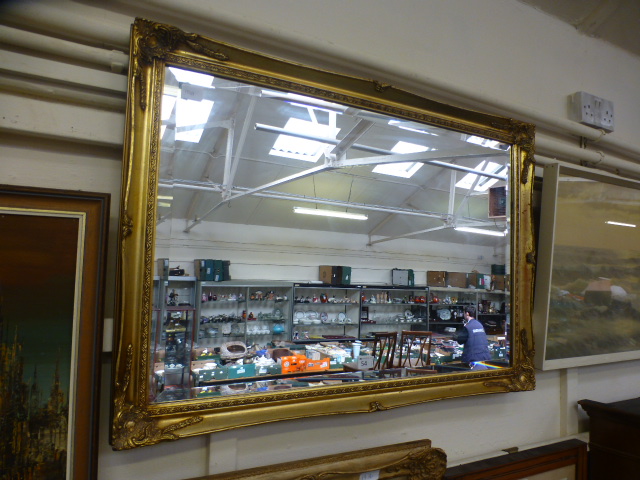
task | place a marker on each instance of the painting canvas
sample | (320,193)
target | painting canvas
(51,281)
(587,306)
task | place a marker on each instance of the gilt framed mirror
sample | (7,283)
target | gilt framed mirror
(236,310)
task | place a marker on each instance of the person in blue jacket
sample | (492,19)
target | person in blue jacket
(474,339)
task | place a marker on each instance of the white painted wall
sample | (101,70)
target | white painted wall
(294,255)
(498,54)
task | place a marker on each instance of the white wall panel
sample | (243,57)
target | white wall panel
(294,255)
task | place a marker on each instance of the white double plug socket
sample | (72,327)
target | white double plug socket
(591,110)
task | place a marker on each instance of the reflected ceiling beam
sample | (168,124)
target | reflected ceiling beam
(260,127)
(433,157)
(246,125)
(448,225)
(452,192)
(228,126)
(467,195)
(228,159)
(349,140)
(254,191)
(388,218)
(206,174)
(213,187)
(410,234)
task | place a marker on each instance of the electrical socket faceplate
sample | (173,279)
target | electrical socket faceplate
(591,110)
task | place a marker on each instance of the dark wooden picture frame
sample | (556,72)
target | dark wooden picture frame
(557,460)
(52,277)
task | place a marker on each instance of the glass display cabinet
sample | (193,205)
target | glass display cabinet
(253,313)
(393,309)
(173,334)
(446,308)
(492,311)
(325,312)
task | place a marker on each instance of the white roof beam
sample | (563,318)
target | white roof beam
(254,191)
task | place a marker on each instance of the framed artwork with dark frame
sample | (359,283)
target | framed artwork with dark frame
(52,277)
(587,300)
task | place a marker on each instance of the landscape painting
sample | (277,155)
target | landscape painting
(53,254)
(37,304)
(593,280)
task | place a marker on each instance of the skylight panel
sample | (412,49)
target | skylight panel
(410,126)
(402,169)
(301,148)
(483,185)
(168,102)
(485,142)
(191,113)
(194,78)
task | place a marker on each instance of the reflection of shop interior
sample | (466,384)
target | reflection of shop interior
(295,182)
(226,337)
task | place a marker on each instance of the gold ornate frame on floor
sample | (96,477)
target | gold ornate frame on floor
(415,460)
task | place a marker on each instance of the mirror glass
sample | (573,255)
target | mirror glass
(297,242)
(240,163)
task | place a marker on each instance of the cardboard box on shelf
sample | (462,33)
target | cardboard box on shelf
(479,280)
(456,279)
(335,274)
(202,269)
(402,277)
(162,269)
(328,274)
(240,371)
(293,363)
(436,278)
(497,282)
(221,372)
(318,365)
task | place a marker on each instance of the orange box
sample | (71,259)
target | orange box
(318,365)
(293,363)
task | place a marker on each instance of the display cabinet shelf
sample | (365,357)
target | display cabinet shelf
(447,305)
(325,310)
(394,308)
(173,333)
(261,312)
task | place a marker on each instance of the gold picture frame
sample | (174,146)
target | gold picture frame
(138,421)
(416,460)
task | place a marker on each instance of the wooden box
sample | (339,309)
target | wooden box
(436,279)
(456,279)
(497,282)
(335,274)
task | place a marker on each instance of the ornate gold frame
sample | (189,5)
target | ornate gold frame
(415,460)
(137,422)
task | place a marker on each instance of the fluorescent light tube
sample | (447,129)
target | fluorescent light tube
(621,224)
(481,231)
(330,213)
